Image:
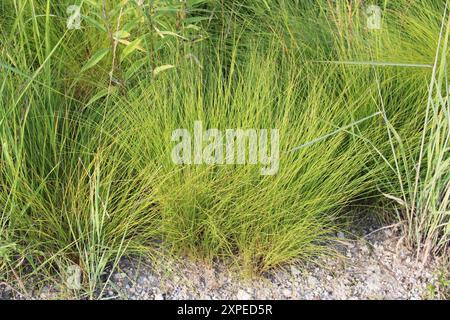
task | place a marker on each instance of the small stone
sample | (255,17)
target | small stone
(159,296)
(120,276)
(287,293)
(243,295)
(295,271)
(312,281)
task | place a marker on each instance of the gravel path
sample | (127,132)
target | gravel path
(373,267)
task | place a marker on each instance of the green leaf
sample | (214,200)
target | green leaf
(129,49)
(121,34)
(102,93)
(94,23)
(130,26)
(161,43)
(134,68)
(170,33)
(194,2)
(195,19)
(95,59)
(192,26)
(162,68)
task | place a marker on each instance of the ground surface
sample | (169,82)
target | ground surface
(374,266)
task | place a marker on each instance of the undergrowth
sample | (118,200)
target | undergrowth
(86,118)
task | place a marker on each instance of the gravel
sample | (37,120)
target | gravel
(375,266)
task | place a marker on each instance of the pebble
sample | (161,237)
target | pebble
(362,275)
(287,293)
(243,295)
(159,296)
(295,271)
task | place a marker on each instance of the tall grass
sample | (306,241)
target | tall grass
(410,47)
(86,118)
(424,177)
(232,211)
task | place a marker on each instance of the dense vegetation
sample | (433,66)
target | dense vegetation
(86,118)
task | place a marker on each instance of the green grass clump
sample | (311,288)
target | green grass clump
(423,185)
(233,211)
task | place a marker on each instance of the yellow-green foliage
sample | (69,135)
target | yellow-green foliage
(86,118)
